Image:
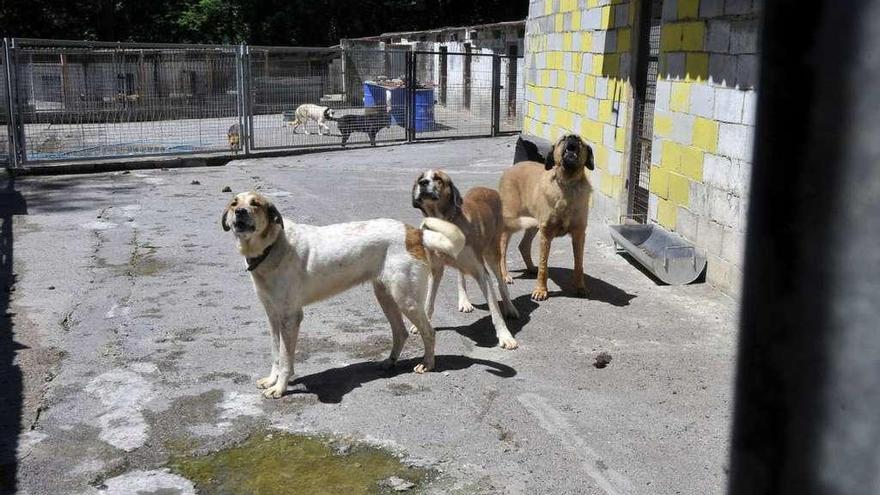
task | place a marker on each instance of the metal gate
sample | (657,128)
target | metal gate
(74,100)
(465,94)
(645,97)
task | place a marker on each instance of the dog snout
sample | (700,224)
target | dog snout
(424,182)
(571,146)
(241,212)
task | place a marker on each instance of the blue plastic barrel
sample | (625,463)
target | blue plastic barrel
(377,96)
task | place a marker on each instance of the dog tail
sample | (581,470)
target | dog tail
(440,235)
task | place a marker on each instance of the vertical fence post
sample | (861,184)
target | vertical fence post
(14,130)
(247,109)
(496,95)
(241,96)
(410,96)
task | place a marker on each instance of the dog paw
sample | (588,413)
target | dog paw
(424,366)
(508,279)
(507,342)
(413,330)
(267,382)
(276,392)
(539,294)
(465,306)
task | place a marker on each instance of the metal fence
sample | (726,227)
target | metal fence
(73,100)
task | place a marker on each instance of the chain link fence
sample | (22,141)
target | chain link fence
(72,100)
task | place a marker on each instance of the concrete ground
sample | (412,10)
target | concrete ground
(131,329)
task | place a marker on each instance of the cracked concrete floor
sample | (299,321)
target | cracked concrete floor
(136,333)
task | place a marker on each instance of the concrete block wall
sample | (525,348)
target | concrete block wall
(578,68)
(577,64)
(703,128)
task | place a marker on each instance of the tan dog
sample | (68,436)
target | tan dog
(478,216)
(294,265)
(552,200)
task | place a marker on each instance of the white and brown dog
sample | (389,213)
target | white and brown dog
(478,215)
(305,113)
(293,265)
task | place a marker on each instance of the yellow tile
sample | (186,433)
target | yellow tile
(670,159)
(576,62)
(692,163)
(706,134)
(548,7)
(681,97)
(544,78)
(624,39)
(555,97)
(667,214)
(607,17)
(576,20)
(697,66)
(559,23)
(600,154)
(692,36)
(670,38)
(564,119)
(679,189)
(590,85)
(607,185)
(620,139)
(611,66)
(568,5)
(598,64)
(578,103)
(543,114)
(688,9)
(605,111)
(662,125)
(586,41)
(659,182)
(591,131)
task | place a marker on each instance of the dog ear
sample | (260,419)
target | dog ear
(416,200)
(223,220)
(589,161)
(456,196)
(275,215)
(550,162)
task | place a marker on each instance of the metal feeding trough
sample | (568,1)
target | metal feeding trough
(668,256)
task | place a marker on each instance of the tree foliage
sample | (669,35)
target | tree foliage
(264,22)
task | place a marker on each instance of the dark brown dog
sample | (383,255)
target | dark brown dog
(550,199)
(478,216)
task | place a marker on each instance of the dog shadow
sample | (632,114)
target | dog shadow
(331,385)
(597,289)
(482,331)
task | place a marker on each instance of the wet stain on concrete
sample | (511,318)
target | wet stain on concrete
(272,463)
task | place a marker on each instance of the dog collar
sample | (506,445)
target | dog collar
(253,263)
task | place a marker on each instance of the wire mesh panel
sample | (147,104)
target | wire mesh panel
(457,98)
(89,100)
(646,89)
(4,110)
(320,97)
(512,95)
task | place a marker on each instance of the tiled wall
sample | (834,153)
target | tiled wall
(579,57)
